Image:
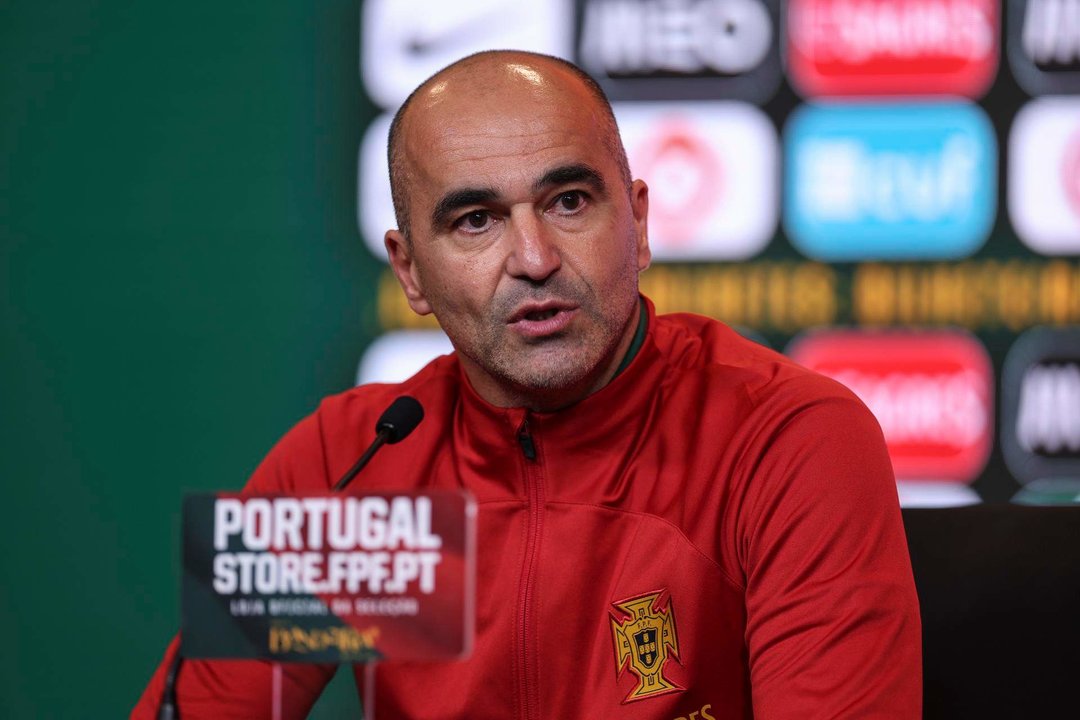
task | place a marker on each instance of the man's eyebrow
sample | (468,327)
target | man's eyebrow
(568,174)
(453,201)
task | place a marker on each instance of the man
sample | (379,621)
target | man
(673,522)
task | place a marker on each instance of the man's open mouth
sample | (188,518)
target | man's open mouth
(542,314)
(543,319)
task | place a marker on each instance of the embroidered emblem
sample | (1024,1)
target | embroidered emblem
(644,641)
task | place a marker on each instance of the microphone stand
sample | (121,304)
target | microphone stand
(369,690)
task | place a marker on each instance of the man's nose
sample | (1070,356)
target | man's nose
(534,252)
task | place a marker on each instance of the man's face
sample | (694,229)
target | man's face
(525,241)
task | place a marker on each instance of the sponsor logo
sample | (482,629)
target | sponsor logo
(1044,175)
(932,393)
(1044,45)
(902,47)
(712,169)
(681,49)
(914,181)
(406,41)
(1040,434)
(396,356)
(1048,417)
(347,641)
(643,629)
(702,713)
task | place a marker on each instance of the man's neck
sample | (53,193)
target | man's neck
(637,341)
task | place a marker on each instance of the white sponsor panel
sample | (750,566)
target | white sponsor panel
(712,170)
(1044,175)
(398,355)
(375,206)
(404,42)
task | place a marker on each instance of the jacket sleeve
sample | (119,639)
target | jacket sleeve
(226,689)
(833,625)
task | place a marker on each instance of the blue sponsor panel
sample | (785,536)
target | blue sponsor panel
(889,182)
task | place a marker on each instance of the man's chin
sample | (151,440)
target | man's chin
(554,384)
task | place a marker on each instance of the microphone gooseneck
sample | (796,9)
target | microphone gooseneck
(168,709)
(393,426)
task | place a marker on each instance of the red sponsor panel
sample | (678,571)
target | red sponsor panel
(932,392)
(892,47)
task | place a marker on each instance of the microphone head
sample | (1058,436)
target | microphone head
(400,419)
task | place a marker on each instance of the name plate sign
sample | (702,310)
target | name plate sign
(329,578)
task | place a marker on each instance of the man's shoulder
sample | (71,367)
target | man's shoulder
(319,448)
(436,384)
(701,346)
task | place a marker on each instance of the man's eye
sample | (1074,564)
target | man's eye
(476,221)
(569,202)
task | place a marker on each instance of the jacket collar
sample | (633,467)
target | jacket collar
(610,419)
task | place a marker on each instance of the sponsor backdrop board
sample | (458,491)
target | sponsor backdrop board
(191,234)
(893,185)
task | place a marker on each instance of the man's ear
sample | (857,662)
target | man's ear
(403,264)
(639,204)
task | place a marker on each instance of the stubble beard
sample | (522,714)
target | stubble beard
(567,364)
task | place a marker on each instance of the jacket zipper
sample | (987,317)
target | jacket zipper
(528,676)
(528,447)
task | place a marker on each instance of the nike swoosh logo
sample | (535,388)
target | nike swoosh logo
(440,39)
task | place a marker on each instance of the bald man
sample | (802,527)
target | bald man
(673,522)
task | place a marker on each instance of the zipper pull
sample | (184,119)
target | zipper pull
(528,447)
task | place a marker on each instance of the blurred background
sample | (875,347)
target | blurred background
(192,200)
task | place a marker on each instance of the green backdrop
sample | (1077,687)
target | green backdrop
(182,280)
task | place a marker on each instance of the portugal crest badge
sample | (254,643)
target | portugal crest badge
(643,629)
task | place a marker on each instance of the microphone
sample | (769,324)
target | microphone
(393,426)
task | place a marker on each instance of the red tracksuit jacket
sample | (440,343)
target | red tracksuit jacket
(714,534)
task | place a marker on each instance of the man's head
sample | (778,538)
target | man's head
(519,227)
(399,184)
